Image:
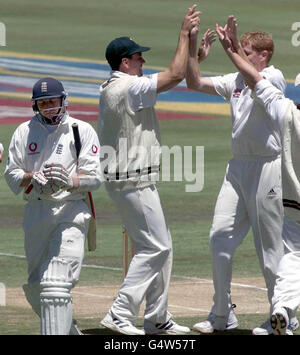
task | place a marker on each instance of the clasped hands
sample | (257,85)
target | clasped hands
(51,179)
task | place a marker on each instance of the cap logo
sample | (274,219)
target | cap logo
(44,86)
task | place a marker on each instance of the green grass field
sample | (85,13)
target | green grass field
(74,29)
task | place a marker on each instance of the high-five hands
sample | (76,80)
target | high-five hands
(228,34)
(191,21)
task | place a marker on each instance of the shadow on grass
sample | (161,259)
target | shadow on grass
(98,331)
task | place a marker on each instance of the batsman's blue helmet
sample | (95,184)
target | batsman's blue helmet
(47,88)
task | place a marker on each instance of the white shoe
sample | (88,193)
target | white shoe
(204,327)
(264,329)
(294,324)
(170,327)
(119,326)
(279,322)
(214,322)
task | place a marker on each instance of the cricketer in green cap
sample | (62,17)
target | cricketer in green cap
(122,47)
(129,133)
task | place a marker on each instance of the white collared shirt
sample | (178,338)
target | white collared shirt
(128,129)
(32,146)
(142,92)
(253,133)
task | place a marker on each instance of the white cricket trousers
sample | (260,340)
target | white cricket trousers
(150,269)
(287,287)
(54,229)
(250,196)
(55,235)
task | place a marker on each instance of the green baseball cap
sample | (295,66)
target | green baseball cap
(122,47)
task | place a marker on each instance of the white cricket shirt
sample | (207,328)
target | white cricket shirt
(128,125)
(253,133)
(32,146)
(285,112)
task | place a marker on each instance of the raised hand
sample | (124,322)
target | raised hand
(232,33)
(191,20)
(223,37)
(207,40)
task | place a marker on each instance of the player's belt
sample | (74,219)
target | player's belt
(131,174)
(291,204)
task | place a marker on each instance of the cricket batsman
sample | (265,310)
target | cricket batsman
(43,164)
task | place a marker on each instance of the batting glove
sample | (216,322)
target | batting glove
(58,175)
(42,185)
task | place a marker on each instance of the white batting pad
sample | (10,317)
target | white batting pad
(56,302)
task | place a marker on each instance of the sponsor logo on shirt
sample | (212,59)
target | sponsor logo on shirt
(33,148)
(236,93)
(94,149)
(272,192)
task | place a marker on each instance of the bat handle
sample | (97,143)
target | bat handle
(29,188)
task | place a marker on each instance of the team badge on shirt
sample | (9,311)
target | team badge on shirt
(236,93)
(59,149)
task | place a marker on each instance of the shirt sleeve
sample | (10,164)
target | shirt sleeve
(224,84)
(1,148)
(14,171)
(275,77)
(143,92)
(273,100)
(89,157)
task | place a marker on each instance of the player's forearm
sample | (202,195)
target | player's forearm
(240,51)
(194,79)
(177,69)
(84,183)
(178,65)
(249,73)
(193,74)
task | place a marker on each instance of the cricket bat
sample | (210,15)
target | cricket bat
(92,231)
